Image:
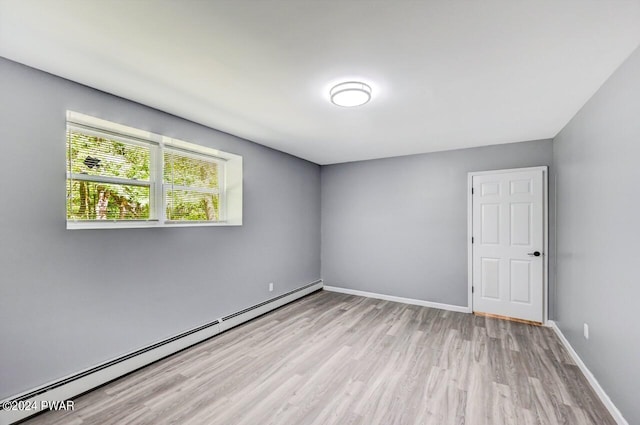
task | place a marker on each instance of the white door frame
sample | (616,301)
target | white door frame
(545,209)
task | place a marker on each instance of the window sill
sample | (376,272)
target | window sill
(142,224)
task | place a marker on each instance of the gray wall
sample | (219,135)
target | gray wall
(398,226)
(598,179)
(70,299)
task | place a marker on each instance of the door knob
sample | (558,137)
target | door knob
(534,254)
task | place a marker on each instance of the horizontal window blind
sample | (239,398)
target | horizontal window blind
(98,156)
(191,186)
(107,179)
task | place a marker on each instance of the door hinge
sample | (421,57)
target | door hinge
(472,289)
(472,239)
(472,191)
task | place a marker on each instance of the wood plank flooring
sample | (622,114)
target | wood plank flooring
(340,359)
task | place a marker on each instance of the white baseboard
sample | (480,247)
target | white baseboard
(100,377)
(617,416)
(403,300)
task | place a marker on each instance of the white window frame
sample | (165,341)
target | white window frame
(229,176)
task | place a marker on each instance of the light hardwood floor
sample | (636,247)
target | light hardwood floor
(340,359)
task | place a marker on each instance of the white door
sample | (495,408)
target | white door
(508,243)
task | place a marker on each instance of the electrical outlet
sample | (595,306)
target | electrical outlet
(271,287)
(586,331)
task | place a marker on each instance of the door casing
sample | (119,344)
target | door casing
(545,236)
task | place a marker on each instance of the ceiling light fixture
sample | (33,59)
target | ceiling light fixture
(351,93)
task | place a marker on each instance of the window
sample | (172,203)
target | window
(109,178)
(192,186)
(118,176)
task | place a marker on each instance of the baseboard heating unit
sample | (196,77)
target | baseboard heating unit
(88,379)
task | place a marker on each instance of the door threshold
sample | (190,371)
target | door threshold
(511,319)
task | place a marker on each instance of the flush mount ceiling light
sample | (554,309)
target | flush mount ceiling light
(351,93)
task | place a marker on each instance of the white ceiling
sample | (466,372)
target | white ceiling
(445,74)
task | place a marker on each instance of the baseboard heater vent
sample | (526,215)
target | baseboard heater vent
(248,309)
(86,380)
(112,362)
